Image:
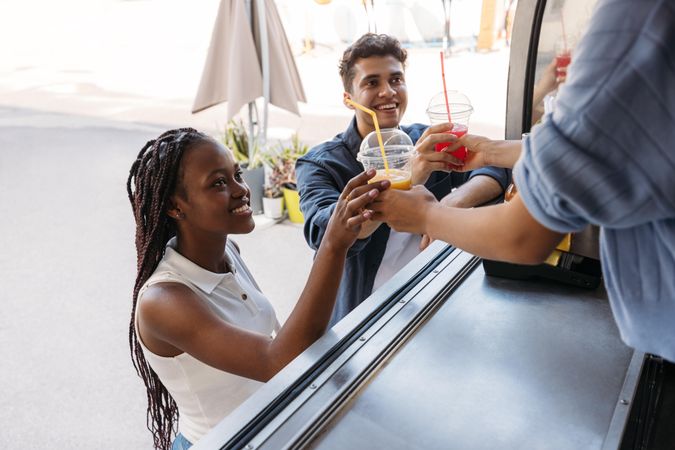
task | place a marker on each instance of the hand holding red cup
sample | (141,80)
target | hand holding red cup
(460,112)
(563,57)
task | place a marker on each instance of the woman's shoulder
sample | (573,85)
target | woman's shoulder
(166,305)
(166,287)
(166,294)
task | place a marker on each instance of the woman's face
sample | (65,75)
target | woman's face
(214,198)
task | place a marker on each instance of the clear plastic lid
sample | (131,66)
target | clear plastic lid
(460,105)
(398,148)
(391,138)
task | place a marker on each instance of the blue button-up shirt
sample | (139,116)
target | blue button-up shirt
(322,175)
(606,156)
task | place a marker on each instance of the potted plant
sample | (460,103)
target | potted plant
(290,154)
(273,199)
(236,139)
(280,176)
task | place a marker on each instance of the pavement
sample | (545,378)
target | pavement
(68,265)
(84,86)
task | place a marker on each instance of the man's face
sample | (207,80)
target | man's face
(379,84)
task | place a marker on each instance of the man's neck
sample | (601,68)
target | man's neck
(363,129)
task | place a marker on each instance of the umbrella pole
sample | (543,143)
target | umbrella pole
(252,122)
(447,41)
(265,62)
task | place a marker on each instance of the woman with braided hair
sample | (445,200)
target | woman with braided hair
(202,335)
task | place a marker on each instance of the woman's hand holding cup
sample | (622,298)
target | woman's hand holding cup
(351,211)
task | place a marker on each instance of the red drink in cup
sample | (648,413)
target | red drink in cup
(460,111)
(563,57)
(458,130)
(561,62)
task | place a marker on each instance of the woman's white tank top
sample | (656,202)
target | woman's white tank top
(204,394)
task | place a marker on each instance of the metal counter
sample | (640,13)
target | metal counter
(445,357)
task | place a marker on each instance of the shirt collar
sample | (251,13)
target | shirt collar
(205,280)
(353,139)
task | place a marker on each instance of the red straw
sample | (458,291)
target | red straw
(445,89)
(564,35)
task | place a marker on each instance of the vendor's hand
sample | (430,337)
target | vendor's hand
(426,159)
(548,81)
(477,151)
(404,210)
(450,200)
(351,210)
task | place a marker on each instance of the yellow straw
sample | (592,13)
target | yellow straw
(377,131)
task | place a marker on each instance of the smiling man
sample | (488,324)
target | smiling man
(373,74)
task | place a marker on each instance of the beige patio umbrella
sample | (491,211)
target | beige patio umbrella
(241,59)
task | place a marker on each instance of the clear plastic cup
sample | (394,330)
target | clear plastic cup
(398,148)
(460,110)
(563,57)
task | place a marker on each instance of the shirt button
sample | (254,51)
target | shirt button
(244,296)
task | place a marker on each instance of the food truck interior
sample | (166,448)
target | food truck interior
(455,352)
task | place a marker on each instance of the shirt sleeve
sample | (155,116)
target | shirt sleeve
(605,154)
(501,176)
(319,193)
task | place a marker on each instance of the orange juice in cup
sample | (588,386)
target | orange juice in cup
(400,179)
(398,149)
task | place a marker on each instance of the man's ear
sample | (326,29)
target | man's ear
(347,96)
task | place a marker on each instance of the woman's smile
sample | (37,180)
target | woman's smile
(243,210)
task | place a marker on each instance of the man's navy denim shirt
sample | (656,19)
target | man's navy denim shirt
(322,175)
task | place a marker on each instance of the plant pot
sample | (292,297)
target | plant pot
(273,207)
(292,199)
(255,178)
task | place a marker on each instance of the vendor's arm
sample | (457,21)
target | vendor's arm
(485,184)
(482,152)
(477,191)
(505,232)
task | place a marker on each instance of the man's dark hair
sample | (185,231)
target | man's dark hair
(368,45)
